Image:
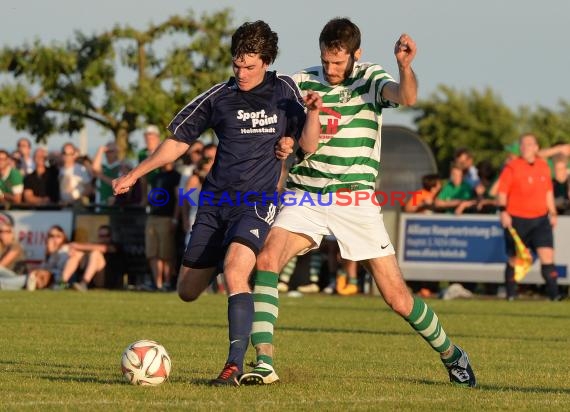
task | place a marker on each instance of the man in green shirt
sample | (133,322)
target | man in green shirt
(106,172)
(456,195)
(11,181)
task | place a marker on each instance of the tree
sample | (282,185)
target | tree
(549,126)
(120,79)
(476,120)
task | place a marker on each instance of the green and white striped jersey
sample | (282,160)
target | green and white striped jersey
(348,156)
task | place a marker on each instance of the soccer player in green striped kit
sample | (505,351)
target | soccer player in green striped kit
(347,159)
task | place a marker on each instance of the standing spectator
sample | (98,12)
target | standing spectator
(423,201)
(152,141)
(160,241)
(132,197)
(526,203)
(41,186)
(26,163)
(190,162)
(101,258)
(558,149)
(11,181)
(456,195)
(105,173)
(464,159)
(561,184)
(74,179)
(195,182)
(12,256)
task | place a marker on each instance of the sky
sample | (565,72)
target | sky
(516,48)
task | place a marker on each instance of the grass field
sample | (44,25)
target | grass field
(61,350)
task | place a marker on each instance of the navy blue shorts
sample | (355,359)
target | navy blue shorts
(216,227)
(534,233)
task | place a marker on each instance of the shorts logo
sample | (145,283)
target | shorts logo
(255,232)
(270,217)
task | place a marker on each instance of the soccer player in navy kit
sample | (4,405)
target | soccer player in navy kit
(249,113)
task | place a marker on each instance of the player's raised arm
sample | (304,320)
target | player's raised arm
(405,92)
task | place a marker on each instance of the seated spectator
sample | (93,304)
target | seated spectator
(456,195)
(105,173)
(12,256)
(41,186)
(101,258)
(464,159)
(74,179)
(11,181)
(424,200)
(486,189)
(26,164)
(561,184)
(56,253)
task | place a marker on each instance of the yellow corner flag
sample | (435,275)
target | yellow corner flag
(523,258)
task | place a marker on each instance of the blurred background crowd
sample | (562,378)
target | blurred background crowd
(31,177)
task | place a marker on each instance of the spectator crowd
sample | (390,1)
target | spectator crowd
(36,178)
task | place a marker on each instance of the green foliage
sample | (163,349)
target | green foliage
(120,79)
(61,351)
(476,120)
(480,121)
(548,125)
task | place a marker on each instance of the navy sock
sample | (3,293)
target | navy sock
(550,277)
(240,319)
(510,281)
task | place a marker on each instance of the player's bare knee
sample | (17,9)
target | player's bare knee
(265,261)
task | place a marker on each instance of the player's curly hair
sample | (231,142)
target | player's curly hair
(340,33)
(255,38)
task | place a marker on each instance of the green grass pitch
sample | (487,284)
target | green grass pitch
(61,351)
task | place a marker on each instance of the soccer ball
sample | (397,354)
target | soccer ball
(145,362)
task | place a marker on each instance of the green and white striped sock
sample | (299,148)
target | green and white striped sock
(288,270)
(315,267)
(426,323)
(266,304)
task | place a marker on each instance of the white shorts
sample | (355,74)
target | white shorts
(359,229)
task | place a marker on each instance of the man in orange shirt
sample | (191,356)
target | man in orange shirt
(526,203)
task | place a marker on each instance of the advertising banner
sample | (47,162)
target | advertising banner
(468,248)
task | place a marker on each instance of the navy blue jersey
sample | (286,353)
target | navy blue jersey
(248,124)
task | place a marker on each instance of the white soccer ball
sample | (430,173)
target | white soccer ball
(145,362)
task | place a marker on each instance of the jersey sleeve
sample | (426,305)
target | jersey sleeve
(380,78)
(295,107)
(195,117)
